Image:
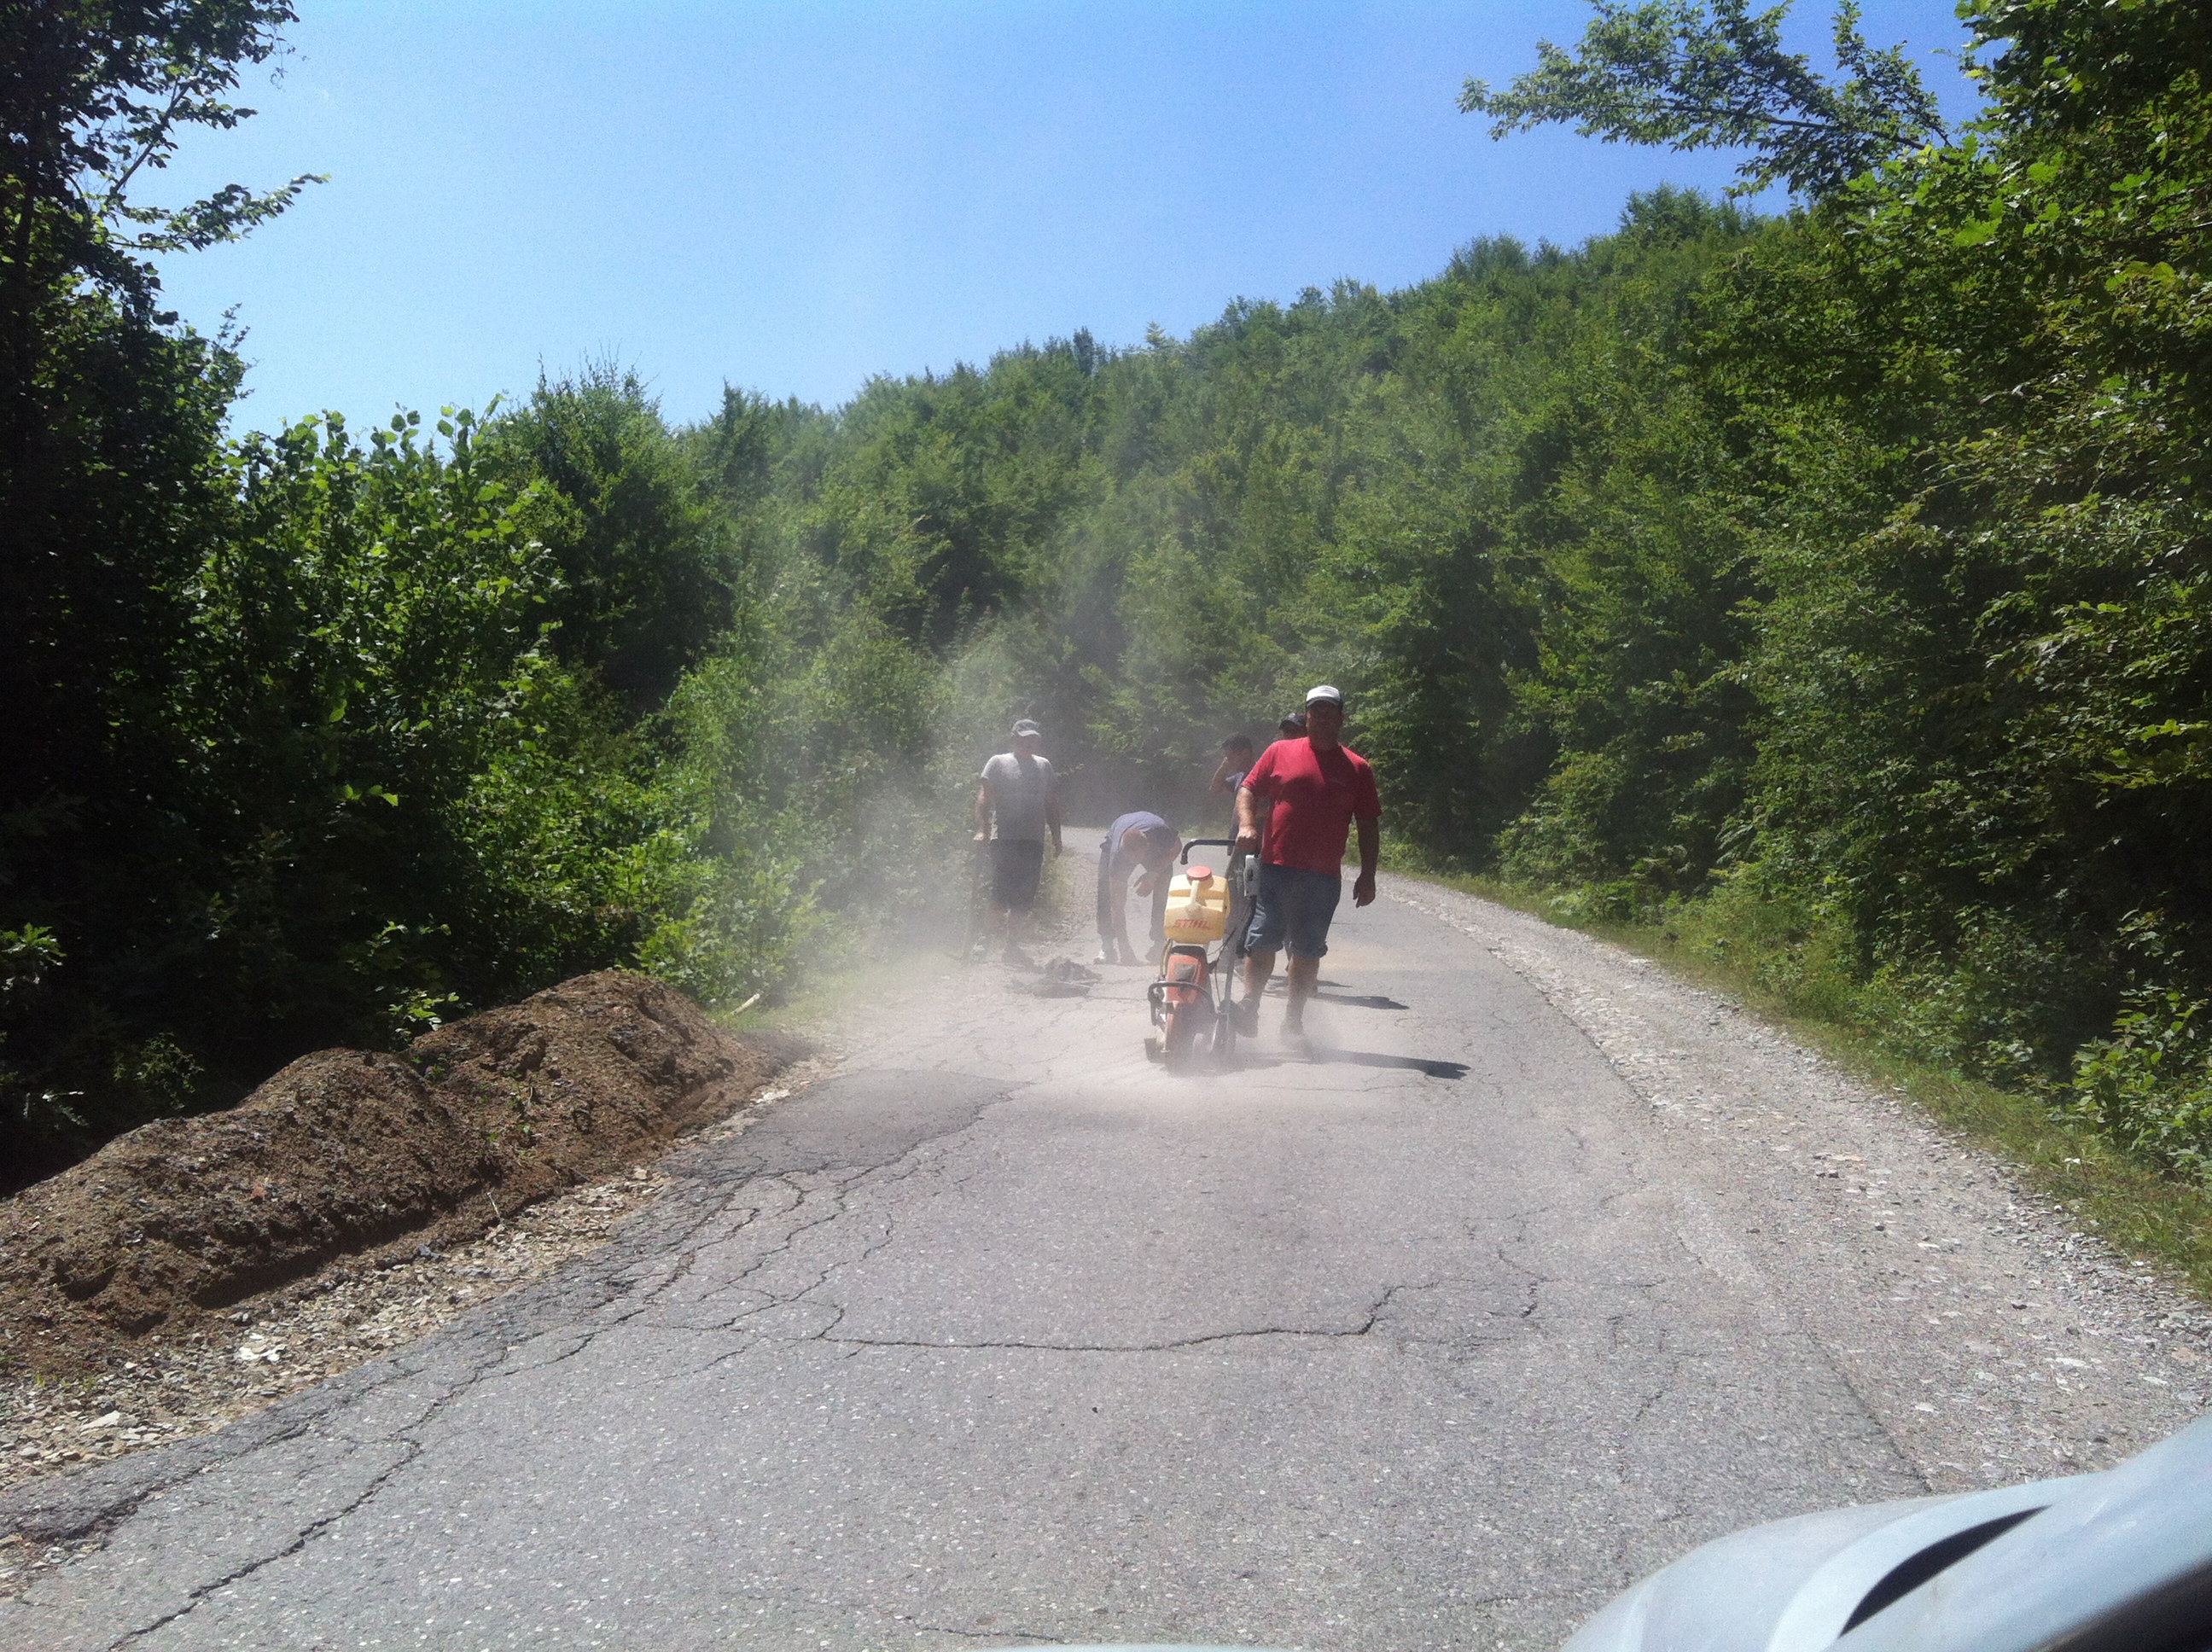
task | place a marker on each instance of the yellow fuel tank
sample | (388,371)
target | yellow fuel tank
(1197,906)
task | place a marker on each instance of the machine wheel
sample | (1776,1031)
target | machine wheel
(1181,1034)
(1187,1007)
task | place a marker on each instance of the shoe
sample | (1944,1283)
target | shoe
(1294,1032)
(1132,959)
(1103,957)
(1244,1016)
(1014,958)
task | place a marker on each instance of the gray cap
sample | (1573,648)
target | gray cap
(1025,727)
(1328,691)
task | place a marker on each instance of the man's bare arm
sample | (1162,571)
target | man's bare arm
(1370,851)
(983,811)
(1052,817)
(1248,820)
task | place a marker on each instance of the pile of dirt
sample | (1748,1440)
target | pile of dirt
(348,1152)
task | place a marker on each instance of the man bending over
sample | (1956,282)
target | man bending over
(1140,843)
(1304,795)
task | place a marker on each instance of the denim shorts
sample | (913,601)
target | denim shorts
(1293,906)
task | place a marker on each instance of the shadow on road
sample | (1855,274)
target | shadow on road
(1371,1001)
(1322,1058)
(1368,1059)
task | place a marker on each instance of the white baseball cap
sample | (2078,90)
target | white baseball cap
(1328,691)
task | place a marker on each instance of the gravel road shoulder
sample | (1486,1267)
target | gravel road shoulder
(1995,1341)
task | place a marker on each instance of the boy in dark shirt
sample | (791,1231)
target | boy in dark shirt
(1229,772)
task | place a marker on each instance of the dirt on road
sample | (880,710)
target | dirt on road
(350,1203)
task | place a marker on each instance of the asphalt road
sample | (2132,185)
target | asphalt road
(1435,1338)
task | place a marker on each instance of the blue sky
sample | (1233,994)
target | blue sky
(792,198)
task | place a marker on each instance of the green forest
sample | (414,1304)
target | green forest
(1842,571)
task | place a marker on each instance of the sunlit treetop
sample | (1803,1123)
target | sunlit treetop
(1681,75)
(94,95)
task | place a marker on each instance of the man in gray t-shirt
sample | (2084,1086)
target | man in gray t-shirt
(1017,805)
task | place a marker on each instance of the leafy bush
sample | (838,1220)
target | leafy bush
(2148,1086)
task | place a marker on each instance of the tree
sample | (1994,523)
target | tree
(1672,73)
(107,412)
(648,565)
(94,94)
(112,477)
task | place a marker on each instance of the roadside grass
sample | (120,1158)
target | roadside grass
(2139,1209)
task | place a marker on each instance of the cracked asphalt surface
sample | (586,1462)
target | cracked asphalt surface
(1540,1270)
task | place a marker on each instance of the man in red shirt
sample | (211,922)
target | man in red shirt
(1306,793)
